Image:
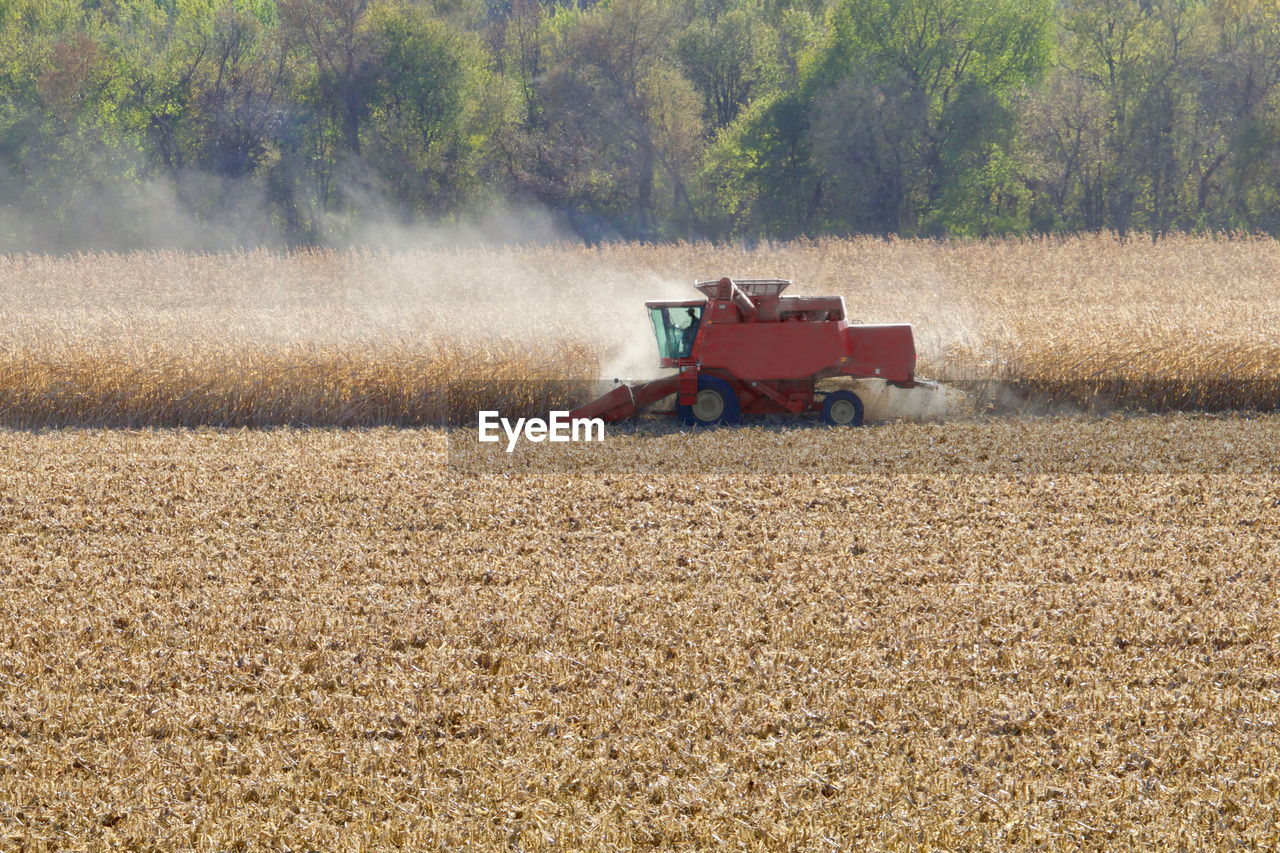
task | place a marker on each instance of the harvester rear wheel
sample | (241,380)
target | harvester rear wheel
(716,403)
(842,408)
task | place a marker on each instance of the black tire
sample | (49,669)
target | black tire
(842,408)
(722,408)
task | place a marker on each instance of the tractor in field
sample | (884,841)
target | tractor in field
(747,349)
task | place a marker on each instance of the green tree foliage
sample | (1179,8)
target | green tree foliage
(219,122)
(902,120)
(1162,116)
(432,106)
(616,133)
(729,61)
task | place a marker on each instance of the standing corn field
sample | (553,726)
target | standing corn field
(363,338)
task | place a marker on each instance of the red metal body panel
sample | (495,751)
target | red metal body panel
(886,352)
(769,350)
(798,350)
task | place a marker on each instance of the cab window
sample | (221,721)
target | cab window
(675,328)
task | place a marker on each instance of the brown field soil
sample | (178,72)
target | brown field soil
(368,338)
(1006,635)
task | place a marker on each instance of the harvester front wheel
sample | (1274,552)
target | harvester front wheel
(842,408)
(716,403)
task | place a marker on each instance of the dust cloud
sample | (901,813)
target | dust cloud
(218,277)
(926,402)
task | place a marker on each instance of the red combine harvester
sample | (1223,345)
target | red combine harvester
(747,349)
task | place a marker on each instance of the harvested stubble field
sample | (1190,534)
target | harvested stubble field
(1053,633)
(377,338)
(1002,634)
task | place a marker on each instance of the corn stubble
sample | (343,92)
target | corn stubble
(305,639)
(1054,633)
(425,337)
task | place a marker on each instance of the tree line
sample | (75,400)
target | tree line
(305,120)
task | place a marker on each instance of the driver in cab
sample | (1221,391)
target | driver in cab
(690,331)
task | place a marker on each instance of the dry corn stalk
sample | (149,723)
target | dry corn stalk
(363,338)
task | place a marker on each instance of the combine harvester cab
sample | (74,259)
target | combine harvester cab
(747,349)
